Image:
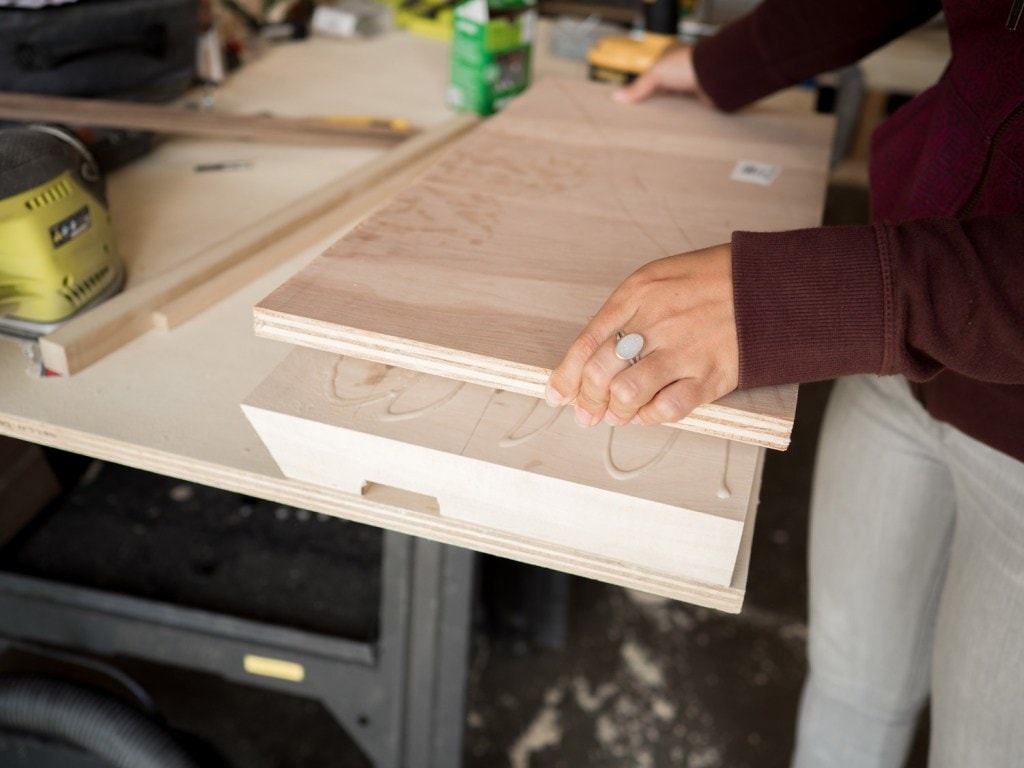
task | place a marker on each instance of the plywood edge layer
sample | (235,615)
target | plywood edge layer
(739,576)
(717,419)
(401,352)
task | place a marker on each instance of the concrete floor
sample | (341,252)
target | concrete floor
(616,680)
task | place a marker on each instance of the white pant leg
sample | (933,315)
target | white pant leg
(881,524)
(978,678)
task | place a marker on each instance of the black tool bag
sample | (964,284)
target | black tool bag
(142,50)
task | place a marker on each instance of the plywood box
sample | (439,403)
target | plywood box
(655,508)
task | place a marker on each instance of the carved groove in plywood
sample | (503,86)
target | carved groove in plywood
(646,497)
(487,268)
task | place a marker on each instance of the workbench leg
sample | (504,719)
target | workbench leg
(416,701)
(442,584)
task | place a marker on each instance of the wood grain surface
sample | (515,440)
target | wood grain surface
(487,268)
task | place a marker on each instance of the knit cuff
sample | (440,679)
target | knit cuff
(809,304)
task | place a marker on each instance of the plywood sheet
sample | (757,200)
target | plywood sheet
(486,269)
(665,499)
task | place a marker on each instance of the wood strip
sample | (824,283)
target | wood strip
(488,267)
(95,334)
(190,122)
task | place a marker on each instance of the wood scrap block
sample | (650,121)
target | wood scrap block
(660,500)
(27,484)
(486,268)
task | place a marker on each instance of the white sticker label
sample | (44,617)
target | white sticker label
(754,172)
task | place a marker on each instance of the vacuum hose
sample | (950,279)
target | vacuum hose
(94,722)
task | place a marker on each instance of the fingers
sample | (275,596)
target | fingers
(683,307)
(661,388)
(635,386)
(673,71)
(676,401)
(565,381)
(603,367)
(641,88)
(654,391)
(584,377)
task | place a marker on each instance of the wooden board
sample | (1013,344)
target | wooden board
(88,338)
(672,501)
(486,269)
(190,122)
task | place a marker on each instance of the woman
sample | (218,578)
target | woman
(917,529)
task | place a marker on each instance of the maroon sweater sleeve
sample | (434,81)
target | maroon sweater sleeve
(913,298)
(782,42)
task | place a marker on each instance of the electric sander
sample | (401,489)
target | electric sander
(57,251)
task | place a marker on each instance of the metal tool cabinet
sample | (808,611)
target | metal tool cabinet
(401,698)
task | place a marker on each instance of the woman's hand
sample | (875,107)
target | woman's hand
(673,73)
(682,306)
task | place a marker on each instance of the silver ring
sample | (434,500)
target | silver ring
(628,346)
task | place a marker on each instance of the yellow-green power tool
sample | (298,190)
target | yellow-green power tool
(57,251)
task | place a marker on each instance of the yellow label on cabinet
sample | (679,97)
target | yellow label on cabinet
(266,667)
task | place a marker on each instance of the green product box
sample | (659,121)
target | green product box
(490,57)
